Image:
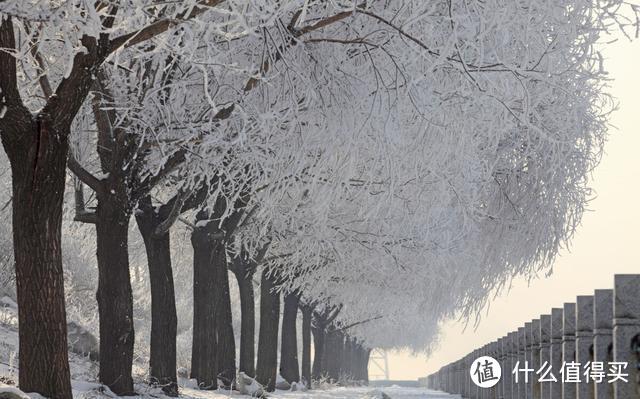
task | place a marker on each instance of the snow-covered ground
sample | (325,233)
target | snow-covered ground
(84,372)
(394,392)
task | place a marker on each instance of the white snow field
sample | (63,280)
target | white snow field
(86,390)
(84,371)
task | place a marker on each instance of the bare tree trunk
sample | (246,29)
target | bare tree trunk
(306,345)
(319,335)
(266,369)
(346,369)
(115,298)
(164,320)
(226,344)
(243,268)
(289,366)
(361,363)
(333,349)
(203,351)
(38,165)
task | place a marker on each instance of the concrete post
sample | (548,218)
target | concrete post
(461,372)
(534,338)
(467,382)
(470,385)
(443,379)
(569,346)
(513,358)
(464,373)
(556,352)
(436,381)
(484,392)
(602,337)
(545,352)
(493,352)
(500,348)
(521,386)
(528,354)
(449,377)
(626,333)
(459,377)
(454,379)
(584,342)
(477,391)
(454,371)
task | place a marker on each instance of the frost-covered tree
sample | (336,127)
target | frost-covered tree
(446,141)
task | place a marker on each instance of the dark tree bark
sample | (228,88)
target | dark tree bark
(115,297)
(365,364)
(346,371)
(361,363)
(319,335)
(164,320)
(37,148)
(289,366)
(306,345)
(320,323)
(226,344)
(213,349)
(266,369)
(333,350)
(244,269)
(38,164)
(204,367)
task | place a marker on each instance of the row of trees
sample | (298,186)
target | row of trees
(377,164)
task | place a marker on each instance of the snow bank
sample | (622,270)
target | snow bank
(9,392)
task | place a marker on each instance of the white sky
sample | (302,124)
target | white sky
(606,243)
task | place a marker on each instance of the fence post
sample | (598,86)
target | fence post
(484,392)
(451,378)
(522,358)
(545,352)
(500,352)
(493,352)
(477,391)
(527,357)
(568,347)
(556,351)
(626,333)
(584,342)
(534,337)
(460,376)
(470,384)
(514,363)
(602,337)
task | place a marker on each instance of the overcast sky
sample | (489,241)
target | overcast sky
(607,242)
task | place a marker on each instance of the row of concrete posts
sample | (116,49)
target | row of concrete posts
(598,335)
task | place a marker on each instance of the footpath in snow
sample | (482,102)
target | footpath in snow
(86,390)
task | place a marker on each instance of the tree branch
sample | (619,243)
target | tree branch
(252,82)
(358,323)
(105,120)
(158,27)
(43,79)
(177,204)
(13,113)
(86,217)
(85,176)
